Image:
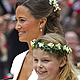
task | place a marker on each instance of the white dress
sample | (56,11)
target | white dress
(17,64)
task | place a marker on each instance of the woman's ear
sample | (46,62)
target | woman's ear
(43,21)
(62,61)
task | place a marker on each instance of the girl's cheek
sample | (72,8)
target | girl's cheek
(34,65)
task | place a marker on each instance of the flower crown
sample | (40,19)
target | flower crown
(50,47)
(54,3)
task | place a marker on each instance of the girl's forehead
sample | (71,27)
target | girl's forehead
(40,52)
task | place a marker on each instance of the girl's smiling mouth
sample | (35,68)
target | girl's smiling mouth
(41,72)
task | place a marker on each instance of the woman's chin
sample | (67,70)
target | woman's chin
(21,40)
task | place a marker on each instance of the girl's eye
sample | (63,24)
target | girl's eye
(35,59)
(46,60)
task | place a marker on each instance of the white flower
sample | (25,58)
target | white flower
(64,48)
(54,3)
(50,45)
(57,5)
(32,44)
(41,44)
(67,49)
(34,40)
(58,46)
(70,50)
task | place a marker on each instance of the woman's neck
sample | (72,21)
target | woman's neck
(39,36)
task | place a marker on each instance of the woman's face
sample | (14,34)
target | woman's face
(27,26)
(45,64)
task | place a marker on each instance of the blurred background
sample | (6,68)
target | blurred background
(9,42)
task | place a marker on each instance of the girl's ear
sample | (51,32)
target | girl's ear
(43,21)
(62,61)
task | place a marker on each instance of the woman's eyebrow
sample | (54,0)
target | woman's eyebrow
(22,17)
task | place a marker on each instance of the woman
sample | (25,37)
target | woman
(51,58)
(34,19)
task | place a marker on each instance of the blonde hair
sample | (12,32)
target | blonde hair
(68,71)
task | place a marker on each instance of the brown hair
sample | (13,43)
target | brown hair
(40,9)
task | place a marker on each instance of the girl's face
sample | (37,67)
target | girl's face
(45,64)
(27,26)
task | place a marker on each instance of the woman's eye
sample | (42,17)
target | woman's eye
(22,20)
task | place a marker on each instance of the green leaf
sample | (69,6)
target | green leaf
(36,46)
(51,51)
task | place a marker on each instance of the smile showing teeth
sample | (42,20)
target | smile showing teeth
(41,73)
(21,33)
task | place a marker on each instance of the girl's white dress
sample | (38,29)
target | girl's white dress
(17,64)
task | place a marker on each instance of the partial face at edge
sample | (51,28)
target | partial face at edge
(45,64)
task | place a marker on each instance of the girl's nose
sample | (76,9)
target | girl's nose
(40,65)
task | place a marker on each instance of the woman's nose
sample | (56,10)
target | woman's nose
(18,27)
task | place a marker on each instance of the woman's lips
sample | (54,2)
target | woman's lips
(20,33)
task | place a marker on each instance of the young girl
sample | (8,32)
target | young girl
(51,58)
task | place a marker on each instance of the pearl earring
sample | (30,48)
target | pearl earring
(41,28)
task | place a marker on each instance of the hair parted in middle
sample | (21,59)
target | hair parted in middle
(40,9)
